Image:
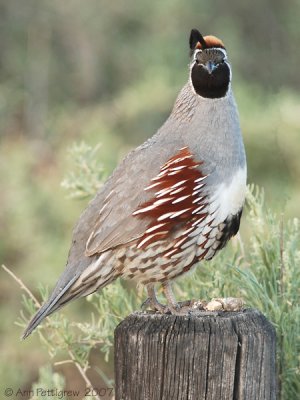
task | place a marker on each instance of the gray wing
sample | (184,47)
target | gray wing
(108,222)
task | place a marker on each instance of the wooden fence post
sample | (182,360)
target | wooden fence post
(229,356)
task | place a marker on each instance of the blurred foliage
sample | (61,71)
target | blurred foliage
(50,380)
(108,72)
(88,176)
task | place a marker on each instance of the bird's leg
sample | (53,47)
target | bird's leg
(173,306)
(168,292)
(152,300)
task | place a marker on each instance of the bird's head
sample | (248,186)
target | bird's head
(210,72)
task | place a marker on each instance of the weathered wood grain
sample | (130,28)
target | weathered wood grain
(216,356)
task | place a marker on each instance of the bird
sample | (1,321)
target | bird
(173,202)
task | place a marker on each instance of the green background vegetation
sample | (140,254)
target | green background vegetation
(108,72)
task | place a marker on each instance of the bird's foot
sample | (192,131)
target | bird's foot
(154,306)
(180,308)
(152,302)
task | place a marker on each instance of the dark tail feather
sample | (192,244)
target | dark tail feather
(48,308)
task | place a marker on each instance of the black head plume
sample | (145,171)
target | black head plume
(196,37)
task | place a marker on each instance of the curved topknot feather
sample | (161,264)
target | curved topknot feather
(197,41)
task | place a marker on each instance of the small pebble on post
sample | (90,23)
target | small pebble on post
(203,356)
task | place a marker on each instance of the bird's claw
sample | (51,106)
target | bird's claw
(154,306)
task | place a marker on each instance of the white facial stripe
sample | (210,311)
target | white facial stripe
(230,73)
(223,51)
(195,54)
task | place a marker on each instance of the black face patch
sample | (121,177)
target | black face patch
(211,85)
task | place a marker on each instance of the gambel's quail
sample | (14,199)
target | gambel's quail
(175,200)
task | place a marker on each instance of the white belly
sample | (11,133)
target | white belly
(229,198)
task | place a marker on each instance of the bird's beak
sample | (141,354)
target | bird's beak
(210,66)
